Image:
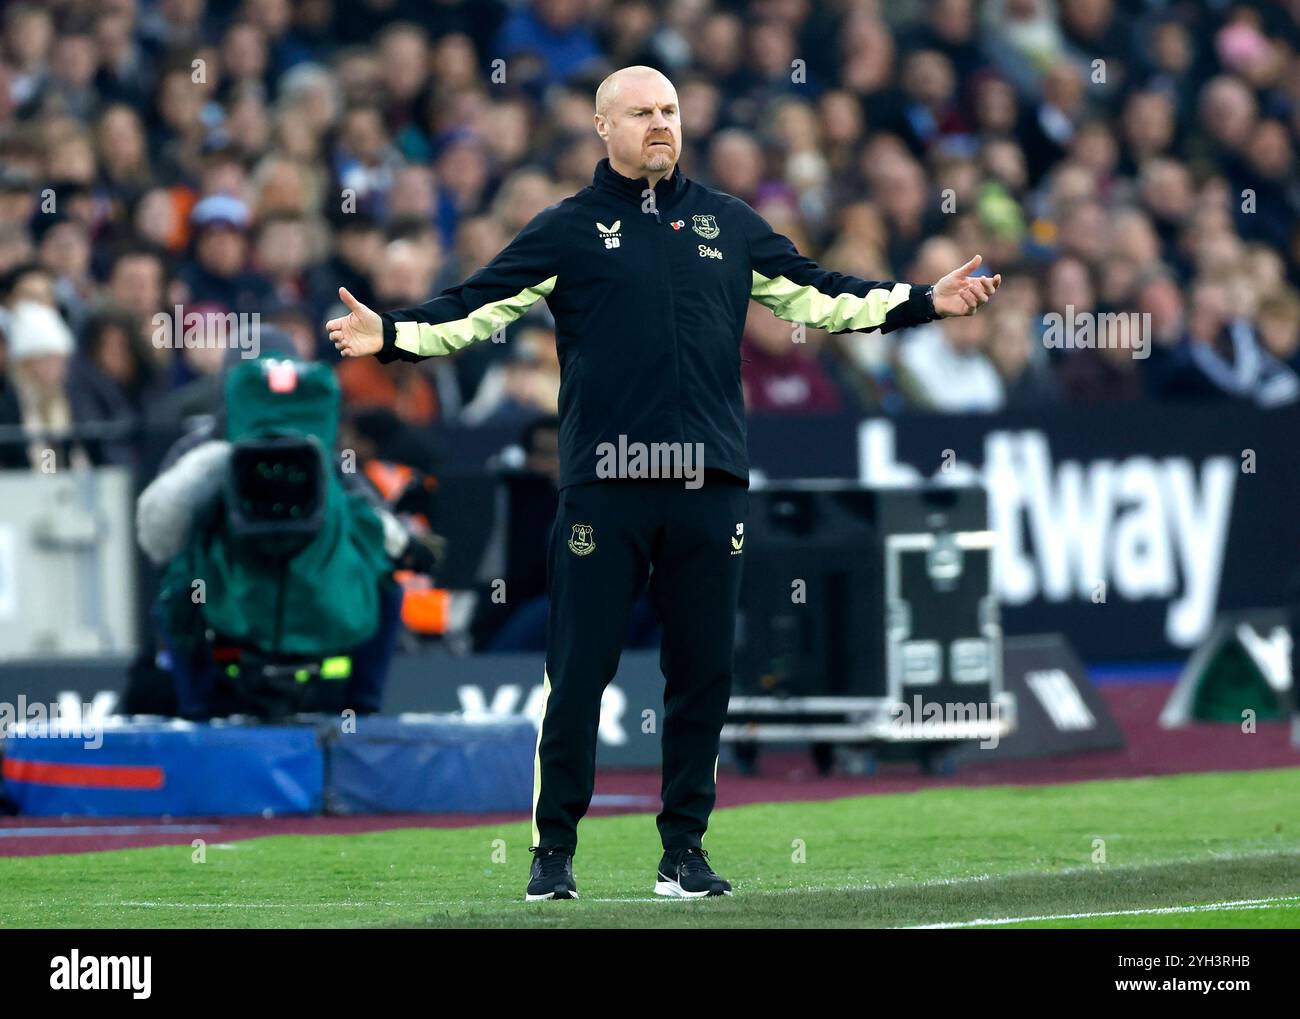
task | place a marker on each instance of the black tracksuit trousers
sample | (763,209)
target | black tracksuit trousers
(608,538)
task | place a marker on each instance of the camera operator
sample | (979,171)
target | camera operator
(183,527)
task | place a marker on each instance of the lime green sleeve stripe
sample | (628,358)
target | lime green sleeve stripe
(801,303)
(428,339)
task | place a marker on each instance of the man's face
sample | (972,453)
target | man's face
(362,248)
(1211,311)
(136,284)
(221,249)
(641,127)
(403,275)
(34,286)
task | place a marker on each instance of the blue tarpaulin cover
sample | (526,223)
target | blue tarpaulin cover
(431,763)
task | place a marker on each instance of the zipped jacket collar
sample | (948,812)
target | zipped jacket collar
(667,191)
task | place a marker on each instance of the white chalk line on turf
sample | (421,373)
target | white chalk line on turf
(441,903)
(1152,911)
(265,905)
(1092,868)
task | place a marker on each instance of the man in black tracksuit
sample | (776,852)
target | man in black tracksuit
(648,275)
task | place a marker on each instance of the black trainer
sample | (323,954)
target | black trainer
(686,874)
(552,875)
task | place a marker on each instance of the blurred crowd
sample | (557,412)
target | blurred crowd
(1128,163)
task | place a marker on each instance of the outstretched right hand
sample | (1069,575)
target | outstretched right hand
(359,333)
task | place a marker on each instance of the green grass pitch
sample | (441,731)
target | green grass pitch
(1206,850)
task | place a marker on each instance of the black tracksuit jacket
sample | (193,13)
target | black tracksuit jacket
(649,297)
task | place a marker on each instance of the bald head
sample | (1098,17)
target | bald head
(638,120)
(608,91)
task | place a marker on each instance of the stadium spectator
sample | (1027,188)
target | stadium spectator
(39,348)
(110,380)
(780,376)
(553,33)
(522,387)
(217,272)
(1225,357)
(1107,372)
(29,281)
(1026,379)
(405,277)
(1279,326)
(944,365)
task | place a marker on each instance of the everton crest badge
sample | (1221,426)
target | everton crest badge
(706,227)
(581,541)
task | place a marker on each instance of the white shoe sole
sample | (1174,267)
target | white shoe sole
(672,890)
(548,895)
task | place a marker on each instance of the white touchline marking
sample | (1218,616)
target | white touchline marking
(105,830)
(265,905)
(650,897)
(1093,868)
(1160,910)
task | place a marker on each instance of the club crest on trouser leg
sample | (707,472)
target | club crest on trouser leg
(581,541)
